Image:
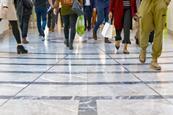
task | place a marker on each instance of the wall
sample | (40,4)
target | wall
(3,26)
(170,16)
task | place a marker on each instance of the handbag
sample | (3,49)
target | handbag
(108,30)
(77,8)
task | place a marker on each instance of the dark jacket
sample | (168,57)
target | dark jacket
(27,7)
(41,3)
(23,7)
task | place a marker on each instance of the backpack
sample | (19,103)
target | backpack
(67,2)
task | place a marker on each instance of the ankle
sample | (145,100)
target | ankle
(154,60)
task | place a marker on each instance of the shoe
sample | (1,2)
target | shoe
(154,65)
(21,50)
(66,43)
(42,38)
(117,44)
(50,29)
(71,45)
(24,41)
(142,56)
(94,35)
(107,40)
(125,51)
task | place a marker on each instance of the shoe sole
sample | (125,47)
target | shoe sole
(126,52)
(155,68)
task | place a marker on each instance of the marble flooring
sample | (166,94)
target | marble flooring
(93,79)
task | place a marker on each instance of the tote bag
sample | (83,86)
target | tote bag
(77,8)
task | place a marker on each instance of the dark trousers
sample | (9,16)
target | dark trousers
(15,30)
(24,25)
(51,19)
(127,23)
(102,15)
(87,16)
(41,14)
(70,23)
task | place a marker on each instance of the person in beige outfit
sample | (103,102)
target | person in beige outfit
(8,12)
(152,15)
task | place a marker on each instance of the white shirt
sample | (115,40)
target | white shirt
(87,3)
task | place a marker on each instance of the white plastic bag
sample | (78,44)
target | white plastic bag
(108,30)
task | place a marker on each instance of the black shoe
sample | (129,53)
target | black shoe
(66,43)
(126,52)
(71,45)
(107,40)
(21,50)
(94,35)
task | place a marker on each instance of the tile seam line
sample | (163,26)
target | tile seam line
(134,75)
(31,82)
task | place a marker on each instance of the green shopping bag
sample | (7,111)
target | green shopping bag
(80,26)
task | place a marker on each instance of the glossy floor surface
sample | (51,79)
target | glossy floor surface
(93,79)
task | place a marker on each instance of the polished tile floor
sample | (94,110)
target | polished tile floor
(93,79)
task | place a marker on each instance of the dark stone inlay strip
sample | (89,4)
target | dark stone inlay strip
(86,98)
(37,97)
(86,83)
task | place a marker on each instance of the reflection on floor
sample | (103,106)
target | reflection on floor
(91,80)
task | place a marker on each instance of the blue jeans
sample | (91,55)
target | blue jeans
(41,19)
(102,16)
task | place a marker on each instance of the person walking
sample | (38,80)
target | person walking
(69,20)
(8,12)
(102,7)
(137,37)
(152,14)
(24,11)
(41,13)
(89,7)
(122,11)
(51,17)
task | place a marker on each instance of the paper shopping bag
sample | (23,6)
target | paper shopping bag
(108,30)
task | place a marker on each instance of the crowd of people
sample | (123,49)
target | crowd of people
(150,15)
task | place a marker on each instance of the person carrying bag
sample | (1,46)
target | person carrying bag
(8,12)
(69,18)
